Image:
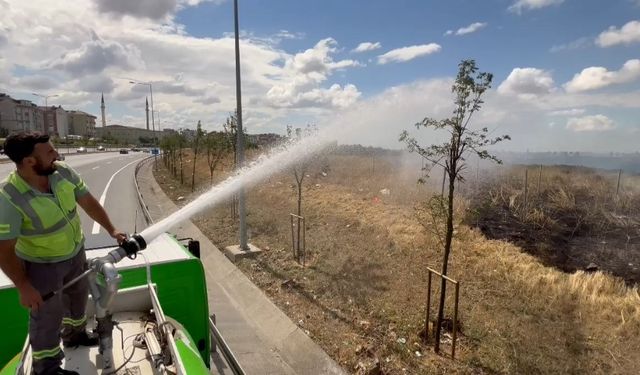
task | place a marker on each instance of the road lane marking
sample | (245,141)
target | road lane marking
(108,162)
(103,197)
(94,168)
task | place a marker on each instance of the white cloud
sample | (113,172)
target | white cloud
(303,72)
(629,33)
(408,53)
(96,55)
(579,43)
(379,119)
(521,5)
(367,46)
(596,77)
(96,84)
(527,83)
(468,29)
(193,77)
(568,112)
(154,9)
(595,123)
(36,82)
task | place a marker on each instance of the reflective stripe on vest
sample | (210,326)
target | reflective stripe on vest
(47,353)
(51,229)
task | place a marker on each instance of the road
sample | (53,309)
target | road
(109,176)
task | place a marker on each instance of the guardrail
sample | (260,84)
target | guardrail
(145,209)
(218,340)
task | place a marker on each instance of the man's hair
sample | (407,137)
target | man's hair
(20,145)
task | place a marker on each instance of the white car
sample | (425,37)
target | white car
(81,150)
(100,148)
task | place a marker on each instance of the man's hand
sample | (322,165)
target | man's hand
(119,236)
(29,296)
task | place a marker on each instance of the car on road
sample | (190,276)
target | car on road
(100,148)
(81,150)
(124,151)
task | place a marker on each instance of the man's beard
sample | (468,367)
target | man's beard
(43,170)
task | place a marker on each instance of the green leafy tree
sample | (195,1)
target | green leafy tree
(468,89)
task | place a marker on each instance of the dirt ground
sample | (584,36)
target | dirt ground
(361,294)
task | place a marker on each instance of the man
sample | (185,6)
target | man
(42,245)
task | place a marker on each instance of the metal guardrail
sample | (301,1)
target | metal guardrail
(218,340)
(145,209)
(228,355)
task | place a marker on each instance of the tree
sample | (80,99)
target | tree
(468,89)
(230,127)
(299,171)
(216,145)
(196,141)
(181,143)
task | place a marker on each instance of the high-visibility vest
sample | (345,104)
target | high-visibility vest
(51,230)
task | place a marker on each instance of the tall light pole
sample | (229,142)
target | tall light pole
(159,128)
(134,82)
(239,134)
(46,97)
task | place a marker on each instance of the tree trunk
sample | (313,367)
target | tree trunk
(181,169)
(445,261)
(193,172)
(299,215)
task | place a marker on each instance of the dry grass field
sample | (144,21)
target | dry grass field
(361,295)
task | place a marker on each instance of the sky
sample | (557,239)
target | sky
(566,72)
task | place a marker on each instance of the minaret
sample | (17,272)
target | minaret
(147,110)
(104,119)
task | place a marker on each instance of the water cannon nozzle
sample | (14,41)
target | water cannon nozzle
(134,244)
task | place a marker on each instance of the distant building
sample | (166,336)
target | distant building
(19,115)
(56,121)
(265,140)
(82,123)
(127,134)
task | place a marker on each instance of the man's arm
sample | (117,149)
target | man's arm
(12,267)
(94,209)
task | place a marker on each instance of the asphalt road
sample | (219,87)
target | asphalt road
(109,176)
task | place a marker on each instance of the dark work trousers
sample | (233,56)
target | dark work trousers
(46,324)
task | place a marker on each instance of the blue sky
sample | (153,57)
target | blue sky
(566,72)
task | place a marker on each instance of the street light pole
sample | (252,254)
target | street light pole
(153,123)
(239,135)
(46,97)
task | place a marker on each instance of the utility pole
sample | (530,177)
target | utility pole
(239,134)
(244,249)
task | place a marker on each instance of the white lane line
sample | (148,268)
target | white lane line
(108,162)
(103,197)
(94,168)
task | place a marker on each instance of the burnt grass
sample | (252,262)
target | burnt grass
(575,221)
(361,294)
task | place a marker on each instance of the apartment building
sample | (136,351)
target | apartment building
(82,124)
(20,115)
